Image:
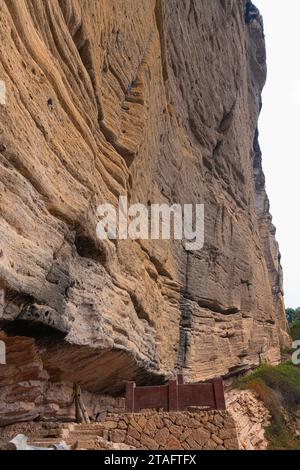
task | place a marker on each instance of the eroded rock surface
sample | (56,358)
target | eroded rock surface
(156,100)
(27,393)
(251,418)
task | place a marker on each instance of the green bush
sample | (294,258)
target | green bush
(292,314)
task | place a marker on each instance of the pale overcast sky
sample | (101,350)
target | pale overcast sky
(280,132)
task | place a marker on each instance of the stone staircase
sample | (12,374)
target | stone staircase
(78,436)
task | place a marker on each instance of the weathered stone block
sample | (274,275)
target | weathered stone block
(134,433)
(217,439)
(231,444)
(122,424)
(110,424)
(161,436)
(173,443)
(200,436)
(176,430)
(117,435)
(148,442)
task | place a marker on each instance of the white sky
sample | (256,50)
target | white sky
(280,132)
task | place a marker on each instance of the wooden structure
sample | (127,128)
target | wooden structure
(176,396)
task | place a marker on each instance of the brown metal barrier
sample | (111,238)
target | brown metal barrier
(176,396)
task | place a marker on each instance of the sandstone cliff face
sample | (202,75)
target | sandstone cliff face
(157,100)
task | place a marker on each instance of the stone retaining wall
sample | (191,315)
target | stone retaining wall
(178,430)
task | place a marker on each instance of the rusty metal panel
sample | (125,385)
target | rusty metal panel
(196,395)
(176,395)
(151,397)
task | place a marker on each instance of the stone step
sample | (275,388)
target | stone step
(86,432)
(88,426)
(44,442)
(83,443)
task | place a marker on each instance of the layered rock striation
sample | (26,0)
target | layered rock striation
(158,101)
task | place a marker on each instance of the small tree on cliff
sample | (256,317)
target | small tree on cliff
(293,317)
(292,314)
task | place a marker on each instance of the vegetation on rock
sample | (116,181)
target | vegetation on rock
(293,317)
(279,389)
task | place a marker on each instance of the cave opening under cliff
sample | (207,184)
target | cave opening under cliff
(31,329)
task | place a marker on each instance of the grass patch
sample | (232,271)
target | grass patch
(279,389)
